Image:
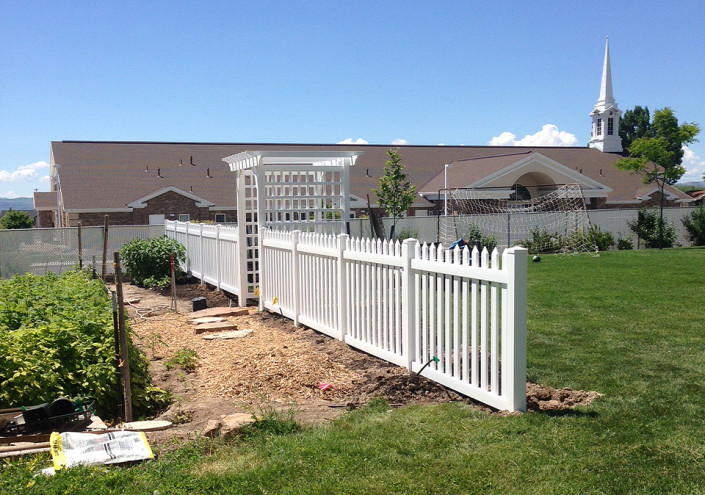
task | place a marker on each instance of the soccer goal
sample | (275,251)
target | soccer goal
(555,222)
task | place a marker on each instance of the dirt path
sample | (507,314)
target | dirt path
(275,365)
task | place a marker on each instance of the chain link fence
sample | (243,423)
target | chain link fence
(40,251)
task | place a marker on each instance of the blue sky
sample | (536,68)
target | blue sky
(323,72)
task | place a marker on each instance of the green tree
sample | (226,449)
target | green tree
(694,223)
(652,230)
(634,124)
(658,159)
(395,193)
(16,220)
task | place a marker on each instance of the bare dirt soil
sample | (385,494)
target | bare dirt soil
(276,366)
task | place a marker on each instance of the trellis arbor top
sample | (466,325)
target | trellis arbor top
(292,159)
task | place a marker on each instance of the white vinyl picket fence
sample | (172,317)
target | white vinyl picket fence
(457,317)
(212,253)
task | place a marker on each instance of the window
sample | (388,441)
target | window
(519,193)
(220,218)
(183,217)
(599,127)
(610,126)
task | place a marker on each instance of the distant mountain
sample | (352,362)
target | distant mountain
(16,204)
(700,184)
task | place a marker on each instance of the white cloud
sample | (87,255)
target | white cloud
(549,135)
(694,166)
(400,142)
(9,195)
(351,141)
(25,173)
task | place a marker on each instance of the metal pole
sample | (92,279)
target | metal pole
(80,247)
(445,190)
(105,247)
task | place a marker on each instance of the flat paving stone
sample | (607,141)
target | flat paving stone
(219,312)
(235,334)
(214,327)
(208,319)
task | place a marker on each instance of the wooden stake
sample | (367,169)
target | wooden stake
(173,283)
(124,355)
(105,248)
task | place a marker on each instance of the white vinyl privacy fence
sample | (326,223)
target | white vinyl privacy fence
(457,317)
(212,254)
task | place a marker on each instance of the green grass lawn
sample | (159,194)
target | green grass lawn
(628,324)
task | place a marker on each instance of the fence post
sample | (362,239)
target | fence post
(342,287)
(242,265)
(296,297)
(408,299)
(200,250)
(514,347)
(218,262)
(188,250)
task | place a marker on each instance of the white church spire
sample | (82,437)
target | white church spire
(606,97)
(605,116)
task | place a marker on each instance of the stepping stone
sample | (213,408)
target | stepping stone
(207,319)
(220,312)
(214,327)
(236,334)
(233,422)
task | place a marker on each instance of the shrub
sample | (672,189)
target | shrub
(406,234)
(477,238)
(542,242)
(57,340)
(624,244)
(147,261)
(694,223)
(603,240)
(646,227)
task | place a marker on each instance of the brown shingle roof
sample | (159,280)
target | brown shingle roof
(100,175)
(44,201)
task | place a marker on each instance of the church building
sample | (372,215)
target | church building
(149,182)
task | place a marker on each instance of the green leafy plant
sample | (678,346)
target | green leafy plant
(603,240)
(57,339)
(694,223)
(185,358)
(624,244)
(406,234)
(648,226)
(475,237)
(147,261)
(543,242)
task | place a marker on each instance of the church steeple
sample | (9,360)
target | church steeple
(605,116)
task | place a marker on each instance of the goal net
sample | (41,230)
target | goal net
(556,222)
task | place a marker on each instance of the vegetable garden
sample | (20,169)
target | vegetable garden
(57,340)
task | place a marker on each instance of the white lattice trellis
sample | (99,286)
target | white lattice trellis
(307,191)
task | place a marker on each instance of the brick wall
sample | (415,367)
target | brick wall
(169,204)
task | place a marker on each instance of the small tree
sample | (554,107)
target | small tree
(651,229)
(395,193)
(16,220)
(694,223)
(658,159)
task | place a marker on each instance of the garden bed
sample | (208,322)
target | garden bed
(277,365)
